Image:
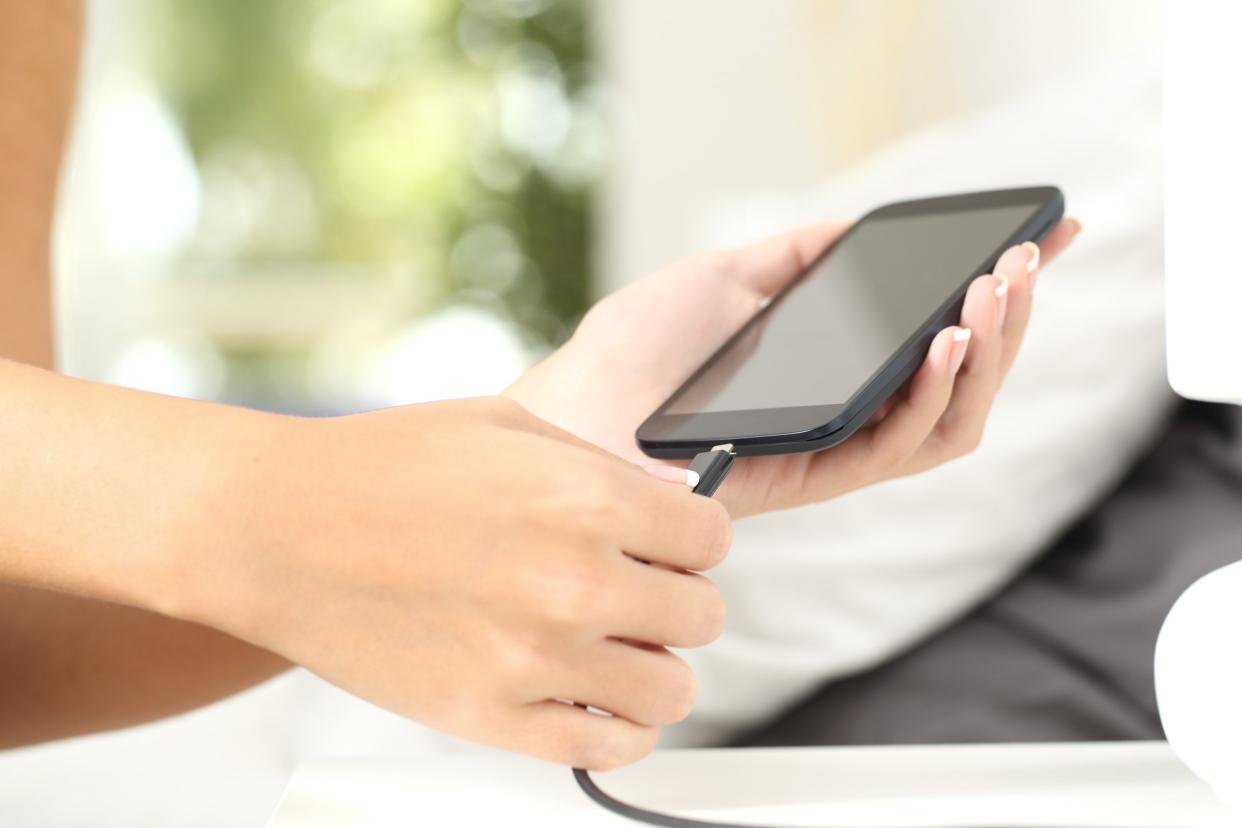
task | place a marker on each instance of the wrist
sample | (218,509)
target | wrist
(205,552)
(125,496)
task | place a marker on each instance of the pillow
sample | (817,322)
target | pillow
(829,590)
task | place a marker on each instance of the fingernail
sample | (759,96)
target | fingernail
(672,474)
(1076,224)
(1033,262)
(961,339)
(1001,292)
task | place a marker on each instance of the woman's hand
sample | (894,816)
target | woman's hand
(638,345)
(468,566)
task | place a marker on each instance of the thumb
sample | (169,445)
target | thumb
(770,265)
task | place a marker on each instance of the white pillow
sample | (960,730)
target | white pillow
(830,590)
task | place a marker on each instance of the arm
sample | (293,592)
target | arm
(38,67)
(70,664)
(464,564)
(460,564)
(74,665)
(73,660)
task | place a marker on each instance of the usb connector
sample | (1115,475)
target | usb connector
(711,468)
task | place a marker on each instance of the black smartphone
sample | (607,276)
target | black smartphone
(812,366)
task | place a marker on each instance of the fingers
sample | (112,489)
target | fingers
(1022,265)
(768,266)
(664,607)
(647,686)
(668,524)
(911,420)
(985,312)
(997,309)
(941,412)
(652,519)
(1058,239)
(885,449)
(1018,268)
(568,735)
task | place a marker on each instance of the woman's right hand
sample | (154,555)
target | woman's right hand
(466,565)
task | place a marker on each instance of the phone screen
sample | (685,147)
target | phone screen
(832,331)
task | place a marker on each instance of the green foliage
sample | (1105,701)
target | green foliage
(453,140)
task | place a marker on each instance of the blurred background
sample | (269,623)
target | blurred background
(317,206)
(321,206)
(327,205)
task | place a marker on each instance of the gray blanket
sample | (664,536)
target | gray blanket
(1065,651)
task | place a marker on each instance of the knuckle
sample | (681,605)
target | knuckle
(517,661)
(591,508)
(612,751)
(718,534)
(599,755)
(937,452)
(681,692)
(964,440)
(574,510)
(706,620)
(577,592)
(714,614)
(894,453)
(578,747)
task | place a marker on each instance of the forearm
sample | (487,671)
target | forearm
(38,68)
(101,485)
(109,495)
(72,665)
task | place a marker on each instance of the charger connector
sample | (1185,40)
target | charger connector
(712,467)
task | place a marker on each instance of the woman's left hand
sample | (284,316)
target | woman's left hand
(636,347)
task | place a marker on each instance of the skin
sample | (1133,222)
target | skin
(75,664)
(157,554)
(36,86)
(468,583)
(72,664)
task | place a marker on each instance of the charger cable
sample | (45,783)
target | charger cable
(712,467)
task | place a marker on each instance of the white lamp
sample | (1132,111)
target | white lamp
(1199,654)
(1199,681)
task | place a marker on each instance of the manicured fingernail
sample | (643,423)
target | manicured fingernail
(961,339)
(1001,292)
(1033,262)
(672,474)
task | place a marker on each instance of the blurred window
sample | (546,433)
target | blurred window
(323,205)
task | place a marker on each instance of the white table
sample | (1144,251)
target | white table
(1136,784)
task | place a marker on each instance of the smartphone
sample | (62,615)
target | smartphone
(812,366)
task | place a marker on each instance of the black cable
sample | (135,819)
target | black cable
(584,780)
(625,809)
(712,467)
